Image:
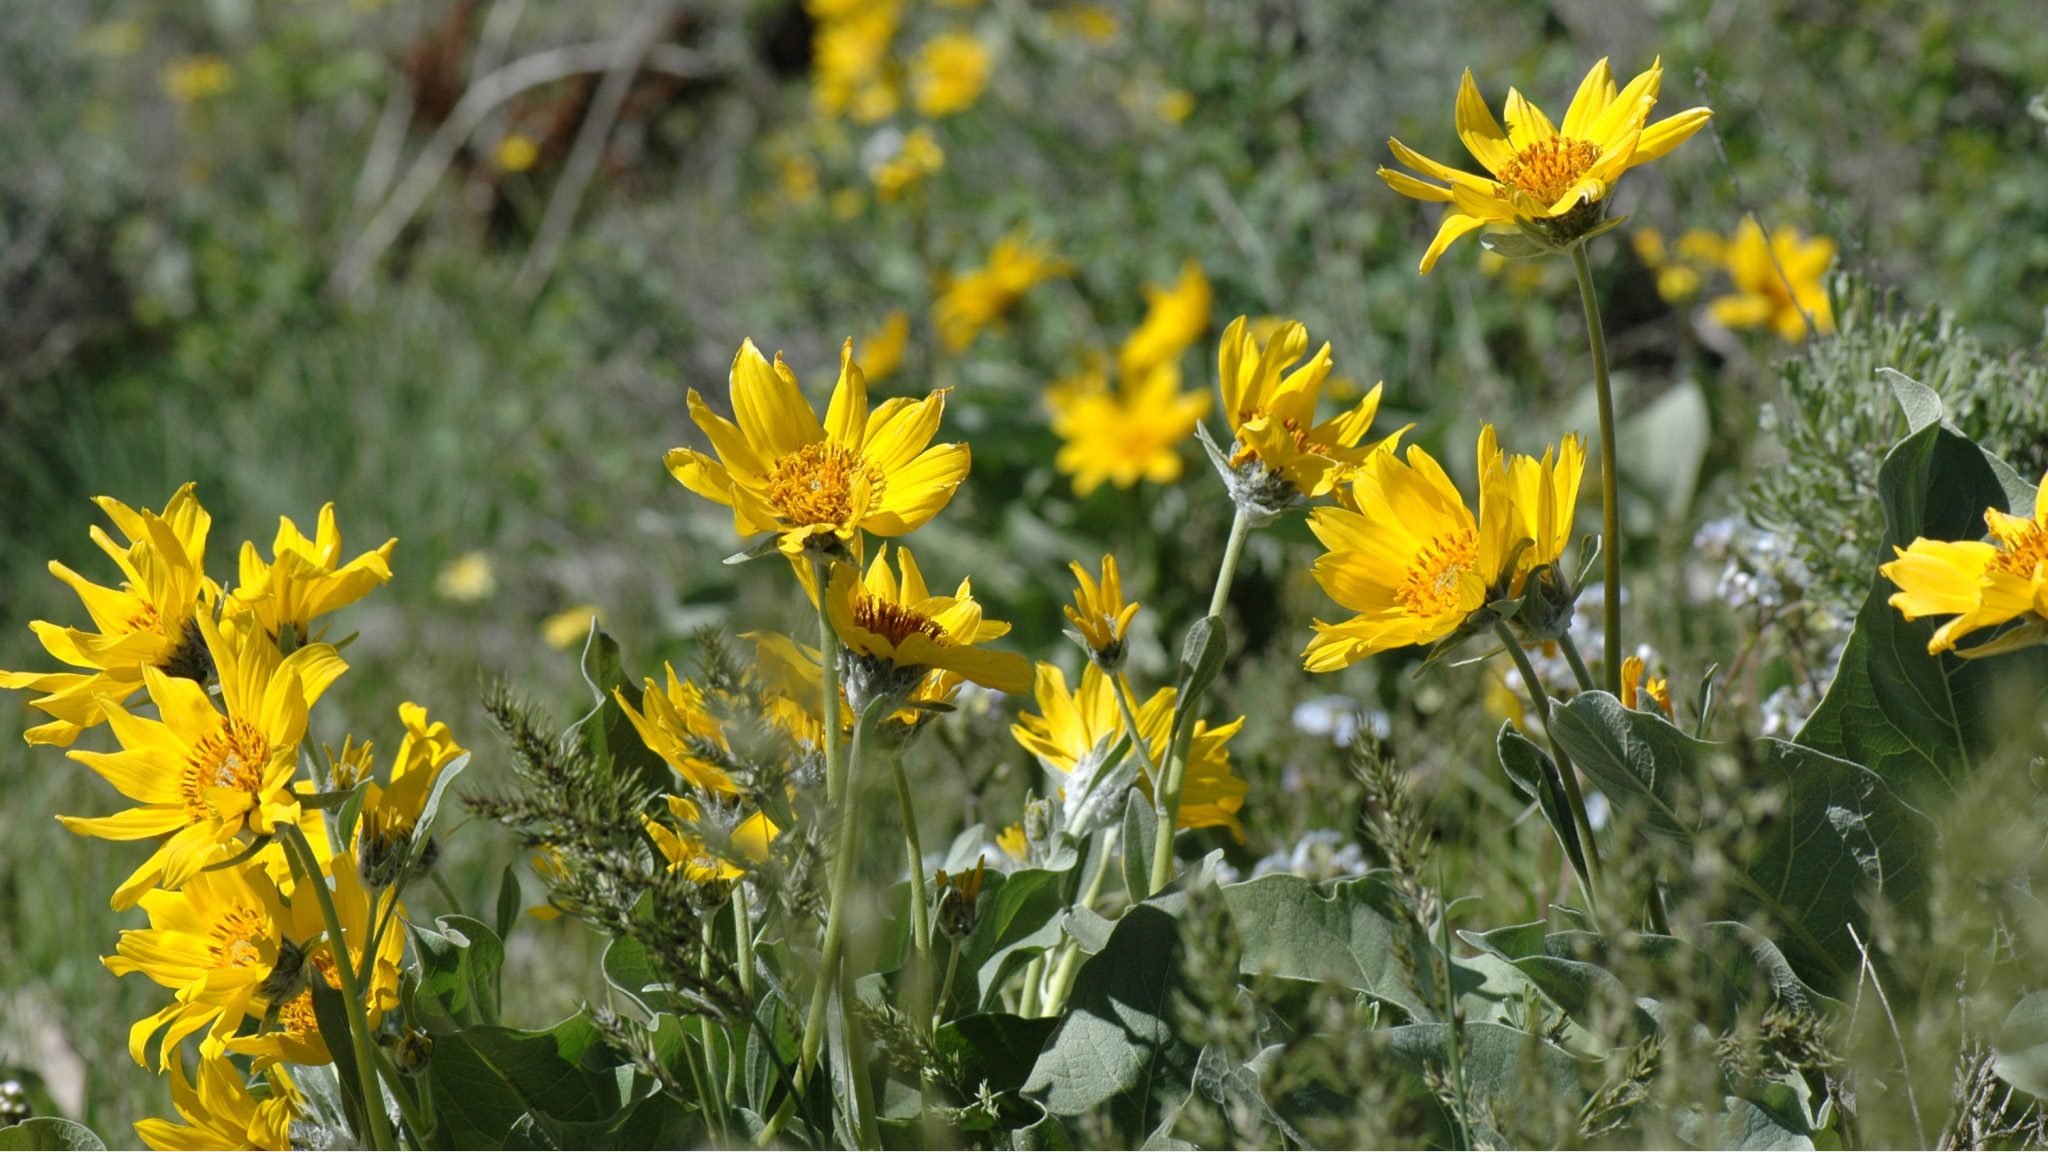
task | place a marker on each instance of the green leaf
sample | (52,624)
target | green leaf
(1291,929)
(1140,840)
(486,1078)
(1201,660)
(1921,404)
(49,1134)
(1917,720)
(605,730)
(627,970)
(1841,834)
(1020,915)
(460,966)
(330,1012)
(511,899)
(995,1048)
(1116,1049)
(2023,1045)
(423,829)
(1535,776)
(1513,245)
(1502,1065)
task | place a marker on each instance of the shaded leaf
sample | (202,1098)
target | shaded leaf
(49,1134)
(1290,928)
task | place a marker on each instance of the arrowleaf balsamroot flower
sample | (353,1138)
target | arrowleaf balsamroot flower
(391,812)
(1074,731)
(1272,412)
(1100,618)
(1124,434)
(817,486)
(148,622)
(1175,317)
(1981,583)
(1553,179)
(684,845)
(221,1111)
(676,724)
(1410,560)
(977,298)
(948,74)
(1780,282)
(902,640)
(1543,497)
(305,579)
(200,778)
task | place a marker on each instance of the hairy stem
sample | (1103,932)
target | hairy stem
(308,868)
(1610,480)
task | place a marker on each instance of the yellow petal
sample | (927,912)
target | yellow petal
(1479,130)
(1595,92)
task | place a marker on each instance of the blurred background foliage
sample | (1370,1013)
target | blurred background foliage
(301,252)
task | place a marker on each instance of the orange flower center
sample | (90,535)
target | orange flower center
(2022,547)
(1432,583)
(233,755)
(896,622)
(239,936)
(1548,169)
(814,484)
(146,619)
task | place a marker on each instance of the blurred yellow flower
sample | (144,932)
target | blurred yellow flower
(1551,178)
(148,622)
(1011,840)
(1780,282)
(1409,559)
(1175,105)
(569,627)
(1175,317)
(979,297)
(817,486)
(882,350)
(850,68)
(1634,689)
(918,157)
(1126,434)
(221,1111)
(467,578)
(1678,280)
(684,845)
(949,74)
(304,580)
(904,638)
(799,178)
(1099,615)
(200,778)
(190,79)
(1272,416)
(517,152)
(1091,22)
(1981,583)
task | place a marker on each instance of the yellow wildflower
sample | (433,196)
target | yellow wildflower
(392,812)
(216,943)
(1175,318)
(906,641)
(850,66)
(1981,583)
(882,351)
(571,626)
(1272,416)
(1075,730)
(1634,688)
(1011,840)
(1099,615)
(467,578)
(677,725)
(190,79)
(1554,179)
(979,297)
(305,579)
(917,157)
(150,622)
(1409,559)
(1127,434)
(221,1111)
(818,485)
(949,74)
(1543,495)
(1677,280)
(517,152)
(685,848)
(1780,282)
(200,778)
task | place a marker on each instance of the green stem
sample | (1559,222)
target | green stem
(308,868)
(1578,662)
(1568,776)
(1182,732)
(1034,981)
(1123,703)
(946,985)
(828,672)
(408,1110)
(1068,967)
(743,942)
(1610,480)
(913,850)
(835,916)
